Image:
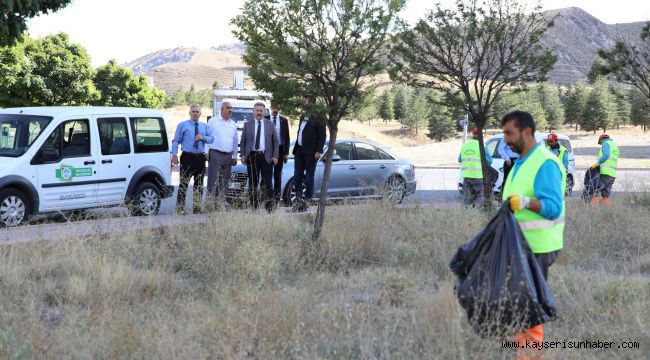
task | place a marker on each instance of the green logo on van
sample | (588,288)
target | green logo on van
(68,173)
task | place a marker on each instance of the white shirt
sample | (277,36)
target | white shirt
(302,127)
(276,121)
(225,136)
(261,125)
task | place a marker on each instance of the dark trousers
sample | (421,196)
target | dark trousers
(192,166)
(473,192)
(277,176)
(605,185)
(546,260)
(256,166)
(304,163)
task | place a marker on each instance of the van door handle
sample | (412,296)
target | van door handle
(109,161)
(382,166)
(352,167)
(91,162)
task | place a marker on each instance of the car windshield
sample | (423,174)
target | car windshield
(18,132)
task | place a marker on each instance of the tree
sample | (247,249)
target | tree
(623,105)
(419,110)
(629,62)
(47,71)
(640,110)
(401,95)
(14,14)
(442,122)
(600,110)
(119,87)
(328,49)
(553,110)
(575,104)
(386,106)
(477,50)
(367,111)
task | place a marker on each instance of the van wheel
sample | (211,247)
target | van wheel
(146,199)
(289,196)
(14,208)
(394,190)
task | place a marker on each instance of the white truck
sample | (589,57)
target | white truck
(241,99)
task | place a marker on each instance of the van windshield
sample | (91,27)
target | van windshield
(18,132)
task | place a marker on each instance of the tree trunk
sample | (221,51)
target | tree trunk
(311,249)
(487,189)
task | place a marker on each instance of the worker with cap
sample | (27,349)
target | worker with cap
(607,161)
(472,171)
(558,150)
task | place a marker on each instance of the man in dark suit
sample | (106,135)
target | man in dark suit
(281,126)
(307,151)
(259,151)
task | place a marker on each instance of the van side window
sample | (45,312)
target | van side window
(492,148)
(76,139)
(149,135)
(113,136)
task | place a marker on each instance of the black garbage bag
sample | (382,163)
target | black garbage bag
(500,283)
(592,178)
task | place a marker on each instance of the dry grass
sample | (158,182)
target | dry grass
(235,288)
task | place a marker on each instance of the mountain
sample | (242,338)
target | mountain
(575,38)
(182,67)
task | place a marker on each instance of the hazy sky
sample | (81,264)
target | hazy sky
(127,29)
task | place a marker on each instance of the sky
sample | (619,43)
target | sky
(127,29)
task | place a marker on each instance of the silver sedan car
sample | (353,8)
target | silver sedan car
(360,170)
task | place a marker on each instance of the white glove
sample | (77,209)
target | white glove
(518,202)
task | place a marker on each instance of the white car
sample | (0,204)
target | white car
(492,145)
(70,158)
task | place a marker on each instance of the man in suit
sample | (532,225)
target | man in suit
(307,151)
(259,151)
(281,126)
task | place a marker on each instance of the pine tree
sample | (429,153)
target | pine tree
(601,107)
(575,104)
(419,111)
(386,106)
(553,110)
(640,109)
(401,95)
(623,105)
(441,122)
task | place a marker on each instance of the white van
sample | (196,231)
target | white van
(68,158)
(492,145)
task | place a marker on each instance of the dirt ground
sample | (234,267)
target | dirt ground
(633,143)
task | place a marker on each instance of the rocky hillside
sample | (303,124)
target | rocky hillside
(575,37)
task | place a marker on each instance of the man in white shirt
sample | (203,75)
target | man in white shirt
(222,155)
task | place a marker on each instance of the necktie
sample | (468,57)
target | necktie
(275,118)
(196,132)
(257,135)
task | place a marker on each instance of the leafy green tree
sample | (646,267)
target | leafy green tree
(477,49)
(119,87)
(328,49)
(575,104)
(629,62)
(549,97)
(176,98)
(368,110)
(600,110)
(47,71)
(386,106)
(401,98)
(14,15)
(640,109)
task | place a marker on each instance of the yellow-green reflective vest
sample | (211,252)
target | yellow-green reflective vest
(471,160)
(609,166)
(543,235)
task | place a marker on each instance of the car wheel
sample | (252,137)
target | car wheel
(14,208)
(146,200)
(394,190)
(569,186)
(289,196)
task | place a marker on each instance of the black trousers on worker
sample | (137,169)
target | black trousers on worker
(545,261)
(192,166)
(304,167)
(256,166)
